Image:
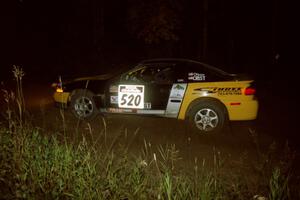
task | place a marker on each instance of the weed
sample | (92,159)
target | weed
(279,186)
(35,166)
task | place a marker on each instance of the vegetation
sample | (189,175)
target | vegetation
(34,165)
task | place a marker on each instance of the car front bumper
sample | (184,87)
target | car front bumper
(61,97)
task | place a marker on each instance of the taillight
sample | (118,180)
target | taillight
(249,91)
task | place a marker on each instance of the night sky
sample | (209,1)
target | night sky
(93,36)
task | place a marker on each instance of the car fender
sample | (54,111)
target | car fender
(202,99)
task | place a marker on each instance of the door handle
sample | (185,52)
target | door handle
(175,100)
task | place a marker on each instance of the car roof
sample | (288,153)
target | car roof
(169,60)
(182,60)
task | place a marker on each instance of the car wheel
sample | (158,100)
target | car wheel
(83,105)
(207,117)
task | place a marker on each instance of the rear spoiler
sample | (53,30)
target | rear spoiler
(241,77)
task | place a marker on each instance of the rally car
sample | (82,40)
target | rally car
(205,96)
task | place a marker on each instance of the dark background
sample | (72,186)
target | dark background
(87,37)
(49,38)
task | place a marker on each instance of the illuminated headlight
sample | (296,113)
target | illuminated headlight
(59,90)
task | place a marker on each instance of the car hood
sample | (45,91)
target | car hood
(101,77)
(98,77)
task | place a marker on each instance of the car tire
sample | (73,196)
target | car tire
(207,117)
(83,105)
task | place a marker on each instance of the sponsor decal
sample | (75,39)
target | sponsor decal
(131,89)
(147,105)
(178,87)
(177,91)
(193,76)
(113,88)
(229,91)
(120,110)
(115,110)
(175,99)
(114,99)
(222,91)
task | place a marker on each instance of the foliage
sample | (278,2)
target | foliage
(34,166)
(279,188)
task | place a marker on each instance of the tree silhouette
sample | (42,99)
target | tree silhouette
(154,21)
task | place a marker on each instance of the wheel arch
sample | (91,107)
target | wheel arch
(205,99)
(97,99)
(73,92)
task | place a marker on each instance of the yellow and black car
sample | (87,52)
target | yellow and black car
(178,88)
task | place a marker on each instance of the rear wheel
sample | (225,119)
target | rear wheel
(83,105)
(207,117)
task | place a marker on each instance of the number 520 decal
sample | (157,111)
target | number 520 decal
(131,96)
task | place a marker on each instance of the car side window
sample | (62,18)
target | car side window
(130,76)
(150,74)
(165,76)
(147,74)
(157,74)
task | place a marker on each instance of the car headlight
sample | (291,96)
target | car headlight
(59,90)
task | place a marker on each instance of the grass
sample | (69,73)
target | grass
(36,165)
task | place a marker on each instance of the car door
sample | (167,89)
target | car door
(154,81)
(159,84)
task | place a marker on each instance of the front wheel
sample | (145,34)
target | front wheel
(207,117)
(83,105)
